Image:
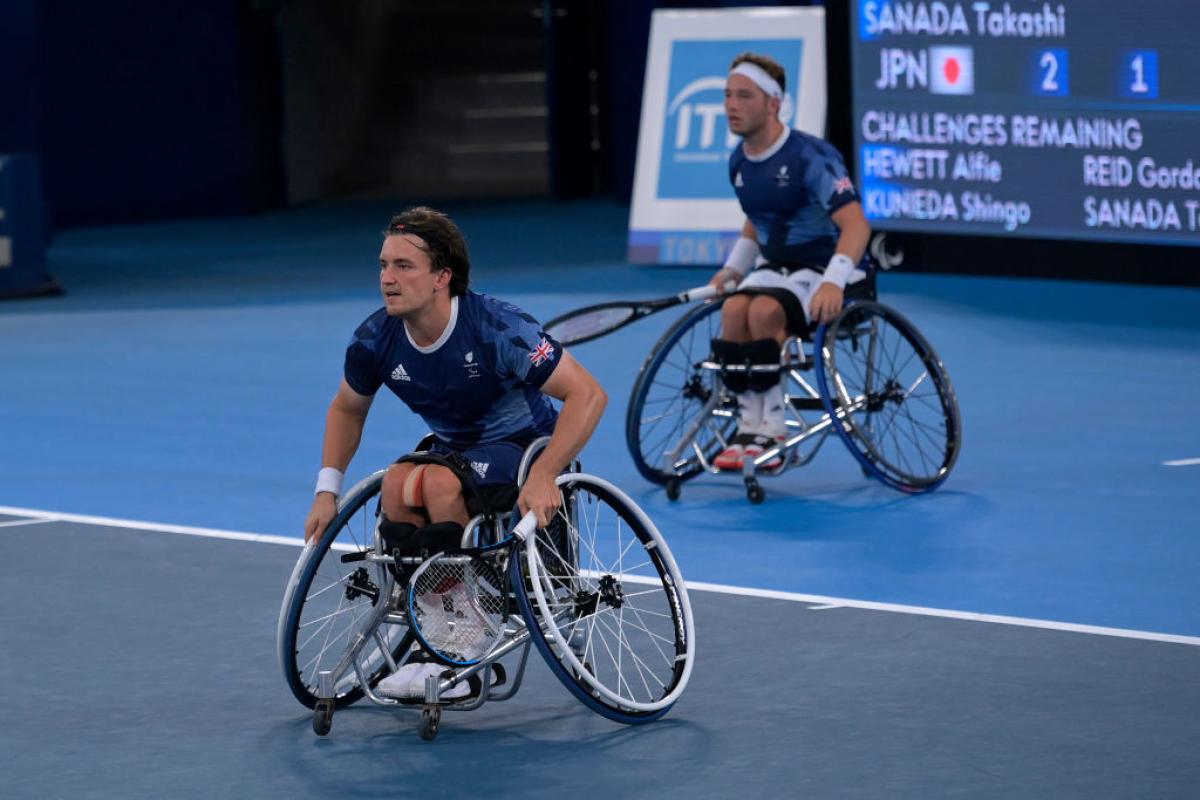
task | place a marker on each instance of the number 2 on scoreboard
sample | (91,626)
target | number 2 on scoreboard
(1051,73)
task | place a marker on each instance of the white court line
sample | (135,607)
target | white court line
(1182,462)
(12,523)
(110,522)
(771,594)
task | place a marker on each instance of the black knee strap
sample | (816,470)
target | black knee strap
(405,539)
(762,352)
(396,535)
(437,537)
(727,353)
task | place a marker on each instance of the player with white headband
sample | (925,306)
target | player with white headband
(798,257)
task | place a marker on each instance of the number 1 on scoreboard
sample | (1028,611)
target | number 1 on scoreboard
(1139,73)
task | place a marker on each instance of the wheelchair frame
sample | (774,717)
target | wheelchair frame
(531,618)
(706,431)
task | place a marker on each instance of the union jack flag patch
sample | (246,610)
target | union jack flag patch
(843,185)
(542,353)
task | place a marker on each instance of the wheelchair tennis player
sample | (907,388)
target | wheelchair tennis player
(803,216)
(480,373)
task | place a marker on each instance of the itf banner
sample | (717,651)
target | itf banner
(684,210)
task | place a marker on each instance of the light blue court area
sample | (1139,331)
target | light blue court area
(184,379)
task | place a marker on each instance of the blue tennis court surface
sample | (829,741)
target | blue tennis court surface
(183,380)
(144,666)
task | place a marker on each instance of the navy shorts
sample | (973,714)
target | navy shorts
(494,468)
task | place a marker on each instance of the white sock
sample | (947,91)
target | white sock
(750,411)
(774,420)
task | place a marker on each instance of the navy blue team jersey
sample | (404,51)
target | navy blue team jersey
(479,383)
(789,194)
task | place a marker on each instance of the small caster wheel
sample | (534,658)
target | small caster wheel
(431,718)
(673,489)
(754,492)
(322,717)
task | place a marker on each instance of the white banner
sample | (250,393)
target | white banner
(684,210)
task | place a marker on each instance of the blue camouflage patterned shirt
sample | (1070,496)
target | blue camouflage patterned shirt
(480,382)
(788,193)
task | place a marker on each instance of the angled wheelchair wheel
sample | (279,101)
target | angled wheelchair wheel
(615,625)
(898,412)
(332,589)
(679,412)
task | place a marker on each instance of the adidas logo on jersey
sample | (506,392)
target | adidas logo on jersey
(398,374)
(480,467)
(737,181)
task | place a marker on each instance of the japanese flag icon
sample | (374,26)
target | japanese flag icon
(951,70)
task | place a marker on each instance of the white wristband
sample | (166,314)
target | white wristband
(838,271)
(742,255)
(329,479)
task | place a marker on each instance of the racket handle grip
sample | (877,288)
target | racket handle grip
(706,291)
(526,526)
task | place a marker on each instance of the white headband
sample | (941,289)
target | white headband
(760,77)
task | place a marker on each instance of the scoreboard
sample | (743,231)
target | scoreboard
(1071,120)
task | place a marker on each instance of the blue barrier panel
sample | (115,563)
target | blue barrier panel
(22,228)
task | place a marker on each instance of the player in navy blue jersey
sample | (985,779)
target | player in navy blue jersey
(804,231)
(480,373)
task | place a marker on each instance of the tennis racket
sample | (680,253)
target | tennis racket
(585,324)
(457,606)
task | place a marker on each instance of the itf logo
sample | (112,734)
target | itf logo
(696,141)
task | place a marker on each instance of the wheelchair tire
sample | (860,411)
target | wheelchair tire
(670,395)
(325,599)
(615,626)
(903,423)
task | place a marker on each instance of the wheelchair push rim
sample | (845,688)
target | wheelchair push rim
(327,600)
(675,406)
(614,623)
(898,411)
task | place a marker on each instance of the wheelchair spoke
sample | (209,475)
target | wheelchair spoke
(905,430)
(655,591)
(327,618)
(651,635)
(626,653)
(328,643)
(666,430)
(623,647)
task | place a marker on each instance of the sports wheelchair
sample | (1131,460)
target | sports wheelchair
(597,592)
(879,386)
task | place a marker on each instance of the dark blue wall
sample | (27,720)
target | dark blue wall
(153,110)
(18,65)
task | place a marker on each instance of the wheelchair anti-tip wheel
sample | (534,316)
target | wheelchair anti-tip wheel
(898,413)
(331,590)
(679,418)
(612,616)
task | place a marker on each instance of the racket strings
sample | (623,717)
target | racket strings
(589,323)
(459,607)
